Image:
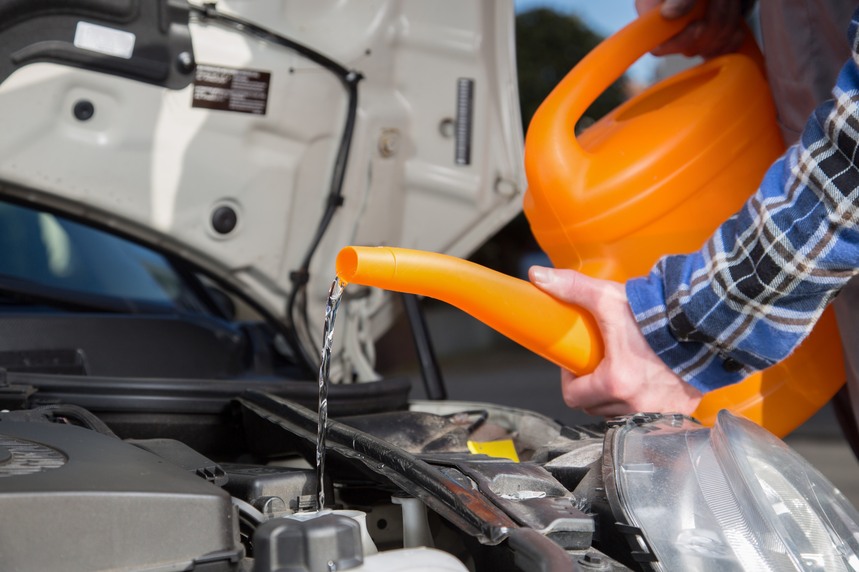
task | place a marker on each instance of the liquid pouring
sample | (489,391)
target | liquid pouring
(335,293)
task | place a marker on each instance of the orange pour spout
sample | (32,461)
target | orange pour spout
(561,333)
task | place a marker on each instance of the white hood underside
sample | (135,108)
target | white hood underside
(156,167)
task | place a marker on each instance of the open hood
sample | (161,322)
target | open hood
(201,131)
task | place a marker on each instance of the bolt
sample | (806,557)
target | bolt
(389,142)
(594,561)
(447,127)
(506,187)
(185,63)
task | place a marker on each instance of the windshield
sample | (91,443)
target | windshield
(41,252)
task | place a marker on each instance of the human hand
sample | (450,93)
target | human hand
(631,377)
(719,32)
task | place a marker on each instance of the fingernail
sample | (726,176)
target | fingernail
(675,9)
(540,275)
(697,30)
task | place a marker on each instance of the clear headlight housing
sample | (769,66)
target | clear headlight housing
(731,497)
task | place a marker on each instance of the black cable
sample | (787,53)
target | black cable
(349,79)
(430,370)
(60,411)
(335,200)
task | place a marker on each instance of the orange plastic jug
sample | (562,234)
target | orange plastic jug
(559,332)
(657,176)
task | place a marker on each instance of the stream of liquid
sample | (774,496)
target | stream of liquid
(334,295)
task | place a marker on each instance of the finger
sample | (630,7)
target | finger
(737,39)
(686,42)
(670,8)
(728,45)
(675,8)
(653,397)
(610,410)
(645,6)
(585,392)
(568,285)
(722,20)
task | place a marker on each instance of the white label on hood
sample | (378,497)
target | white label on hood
(104,40)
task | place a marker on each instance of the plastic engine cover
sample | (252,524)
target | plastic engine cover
(74,499)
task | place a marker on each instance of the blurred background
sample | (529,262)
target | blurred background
(476,363)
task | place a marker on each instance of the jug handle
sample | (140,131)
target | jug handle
(555,119)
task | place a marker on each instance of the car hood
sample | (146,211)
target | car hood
(239,183)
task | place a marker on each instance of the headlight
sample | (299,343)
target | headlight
(733,497)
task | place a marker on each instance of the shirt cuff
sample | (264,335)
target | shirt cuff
(698,364)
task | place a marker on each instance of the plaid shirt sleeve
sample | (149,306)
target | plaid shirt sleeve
(756,288)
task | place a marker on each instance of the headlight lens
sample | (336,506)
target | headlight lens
(733,497)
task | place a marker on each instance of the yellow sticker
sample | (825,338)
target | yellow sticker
(503,449)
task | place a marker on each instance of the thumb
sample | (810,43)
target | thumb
(675,8)
(567,285)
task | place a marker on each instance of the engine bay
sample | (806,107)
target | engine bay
(422,499)
(221,476)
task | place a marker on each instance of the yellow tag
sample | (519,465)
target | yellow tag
(503,449)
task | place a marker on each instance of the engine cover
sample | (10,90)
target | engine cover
(74,499)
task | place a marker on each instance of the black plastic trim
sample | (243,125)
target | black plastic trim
(464,507)
(34,31)
(533,552)
(203,396)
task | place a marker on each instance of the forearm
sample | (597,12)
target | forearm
(754,291)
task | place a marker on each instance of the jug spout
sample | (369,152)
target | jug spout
(560,332)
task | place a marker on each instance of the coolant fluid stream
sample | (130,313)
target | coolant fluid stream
(335,293)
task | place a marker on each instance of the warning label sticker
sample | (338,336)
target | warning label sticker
(228,89)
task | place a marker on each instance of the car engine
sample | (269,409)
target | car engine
(407,493)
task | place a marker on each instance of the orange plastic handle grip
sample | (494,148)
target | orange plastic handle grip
(561,333)
(598,70)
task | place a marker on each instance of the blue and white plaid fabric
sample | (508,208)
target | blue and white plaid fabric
(756,288)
